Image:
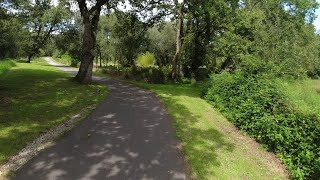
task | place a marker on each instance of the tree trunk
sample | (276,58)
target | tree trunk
(29,58)
(90,24)
(177,56)
(100,58)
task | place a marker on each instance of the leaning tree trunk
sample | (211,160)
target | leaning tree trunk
(177,56)
(90,24)
(29,58)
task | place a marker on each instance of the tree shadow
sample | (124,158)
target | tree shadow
(122,139)
(37,100)
(200,144)
(129,136)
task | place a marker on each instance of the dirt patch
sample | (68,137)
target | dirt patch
(5,101)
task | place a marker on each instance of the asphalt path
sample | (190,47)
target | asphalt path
(128,136)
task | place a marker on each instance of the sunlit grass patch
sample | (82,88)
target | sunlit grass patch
(6,65)
(213,147)
(36,97)
(305,95)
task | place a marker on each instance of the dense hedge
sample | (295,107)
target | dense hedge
(254,105)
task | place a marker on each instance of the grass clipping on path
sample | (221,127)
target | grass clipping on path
(213,147)
(37,98)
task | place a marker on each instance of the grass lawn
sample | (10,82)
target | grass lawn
(214,148)
(36,97)
(305,95)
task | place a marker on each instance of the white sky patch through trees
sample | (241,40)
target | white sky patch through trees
(126,6)
(317,21)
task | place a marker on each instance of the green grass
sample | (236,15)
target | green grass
(36,97)
(213,147)
(6,65)
(305,95)
(67,60)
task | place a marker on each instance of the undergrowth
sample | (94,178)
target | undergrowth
(256,105)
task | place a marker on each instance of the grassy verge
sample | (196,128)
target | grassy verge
(257,106)
(6,65)
(305,95)
(213,147)
(36,97)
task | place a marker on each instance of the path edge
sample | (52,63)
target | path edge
(43,142)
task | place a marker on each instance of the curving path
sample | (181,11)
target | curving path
(128,136)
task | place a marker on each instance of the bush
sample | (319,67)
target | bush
(156,76)
(70,60)
(150,74)
(253,104)
(201,74)
(66,59)
(146,60)
(6,65)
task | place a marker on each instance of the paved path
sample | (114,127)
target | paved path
(129,136)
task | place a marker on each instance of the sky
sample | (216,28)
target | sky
(317,21)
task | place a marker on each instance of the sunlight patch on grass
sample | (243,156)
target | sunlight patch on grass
(305,95)
(36,97)
(214,148)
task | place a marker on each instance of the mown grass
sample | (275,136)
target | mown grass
(36,97)
(6,65)
(305,95)
(213,147)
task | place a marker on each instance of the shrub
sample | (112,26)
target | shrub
(69,60)
(253,104)
(146,60)
(156,76)
(6,65)
(66,59)
(201,74)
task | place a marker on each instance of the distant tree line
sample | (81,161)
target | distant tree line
(190,38)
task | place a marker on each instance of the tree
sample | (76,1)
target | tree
(179,30)
(162,43)
(10,41)
(205,22)
(42,19)
(90,20)
(131,33)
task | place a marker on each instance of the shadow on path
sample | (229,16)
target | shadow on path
(128,136)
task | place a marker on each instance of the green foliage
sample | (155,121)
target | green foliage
(156,76)
(146,59)
(254,104)
(152,75)
(213,148)
(6,65)
(42,20)
(162,43)
(68,60)
(130,32)
(11,41)
(68,42)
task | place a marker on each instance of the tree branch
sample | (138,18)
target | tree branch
(98,5)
